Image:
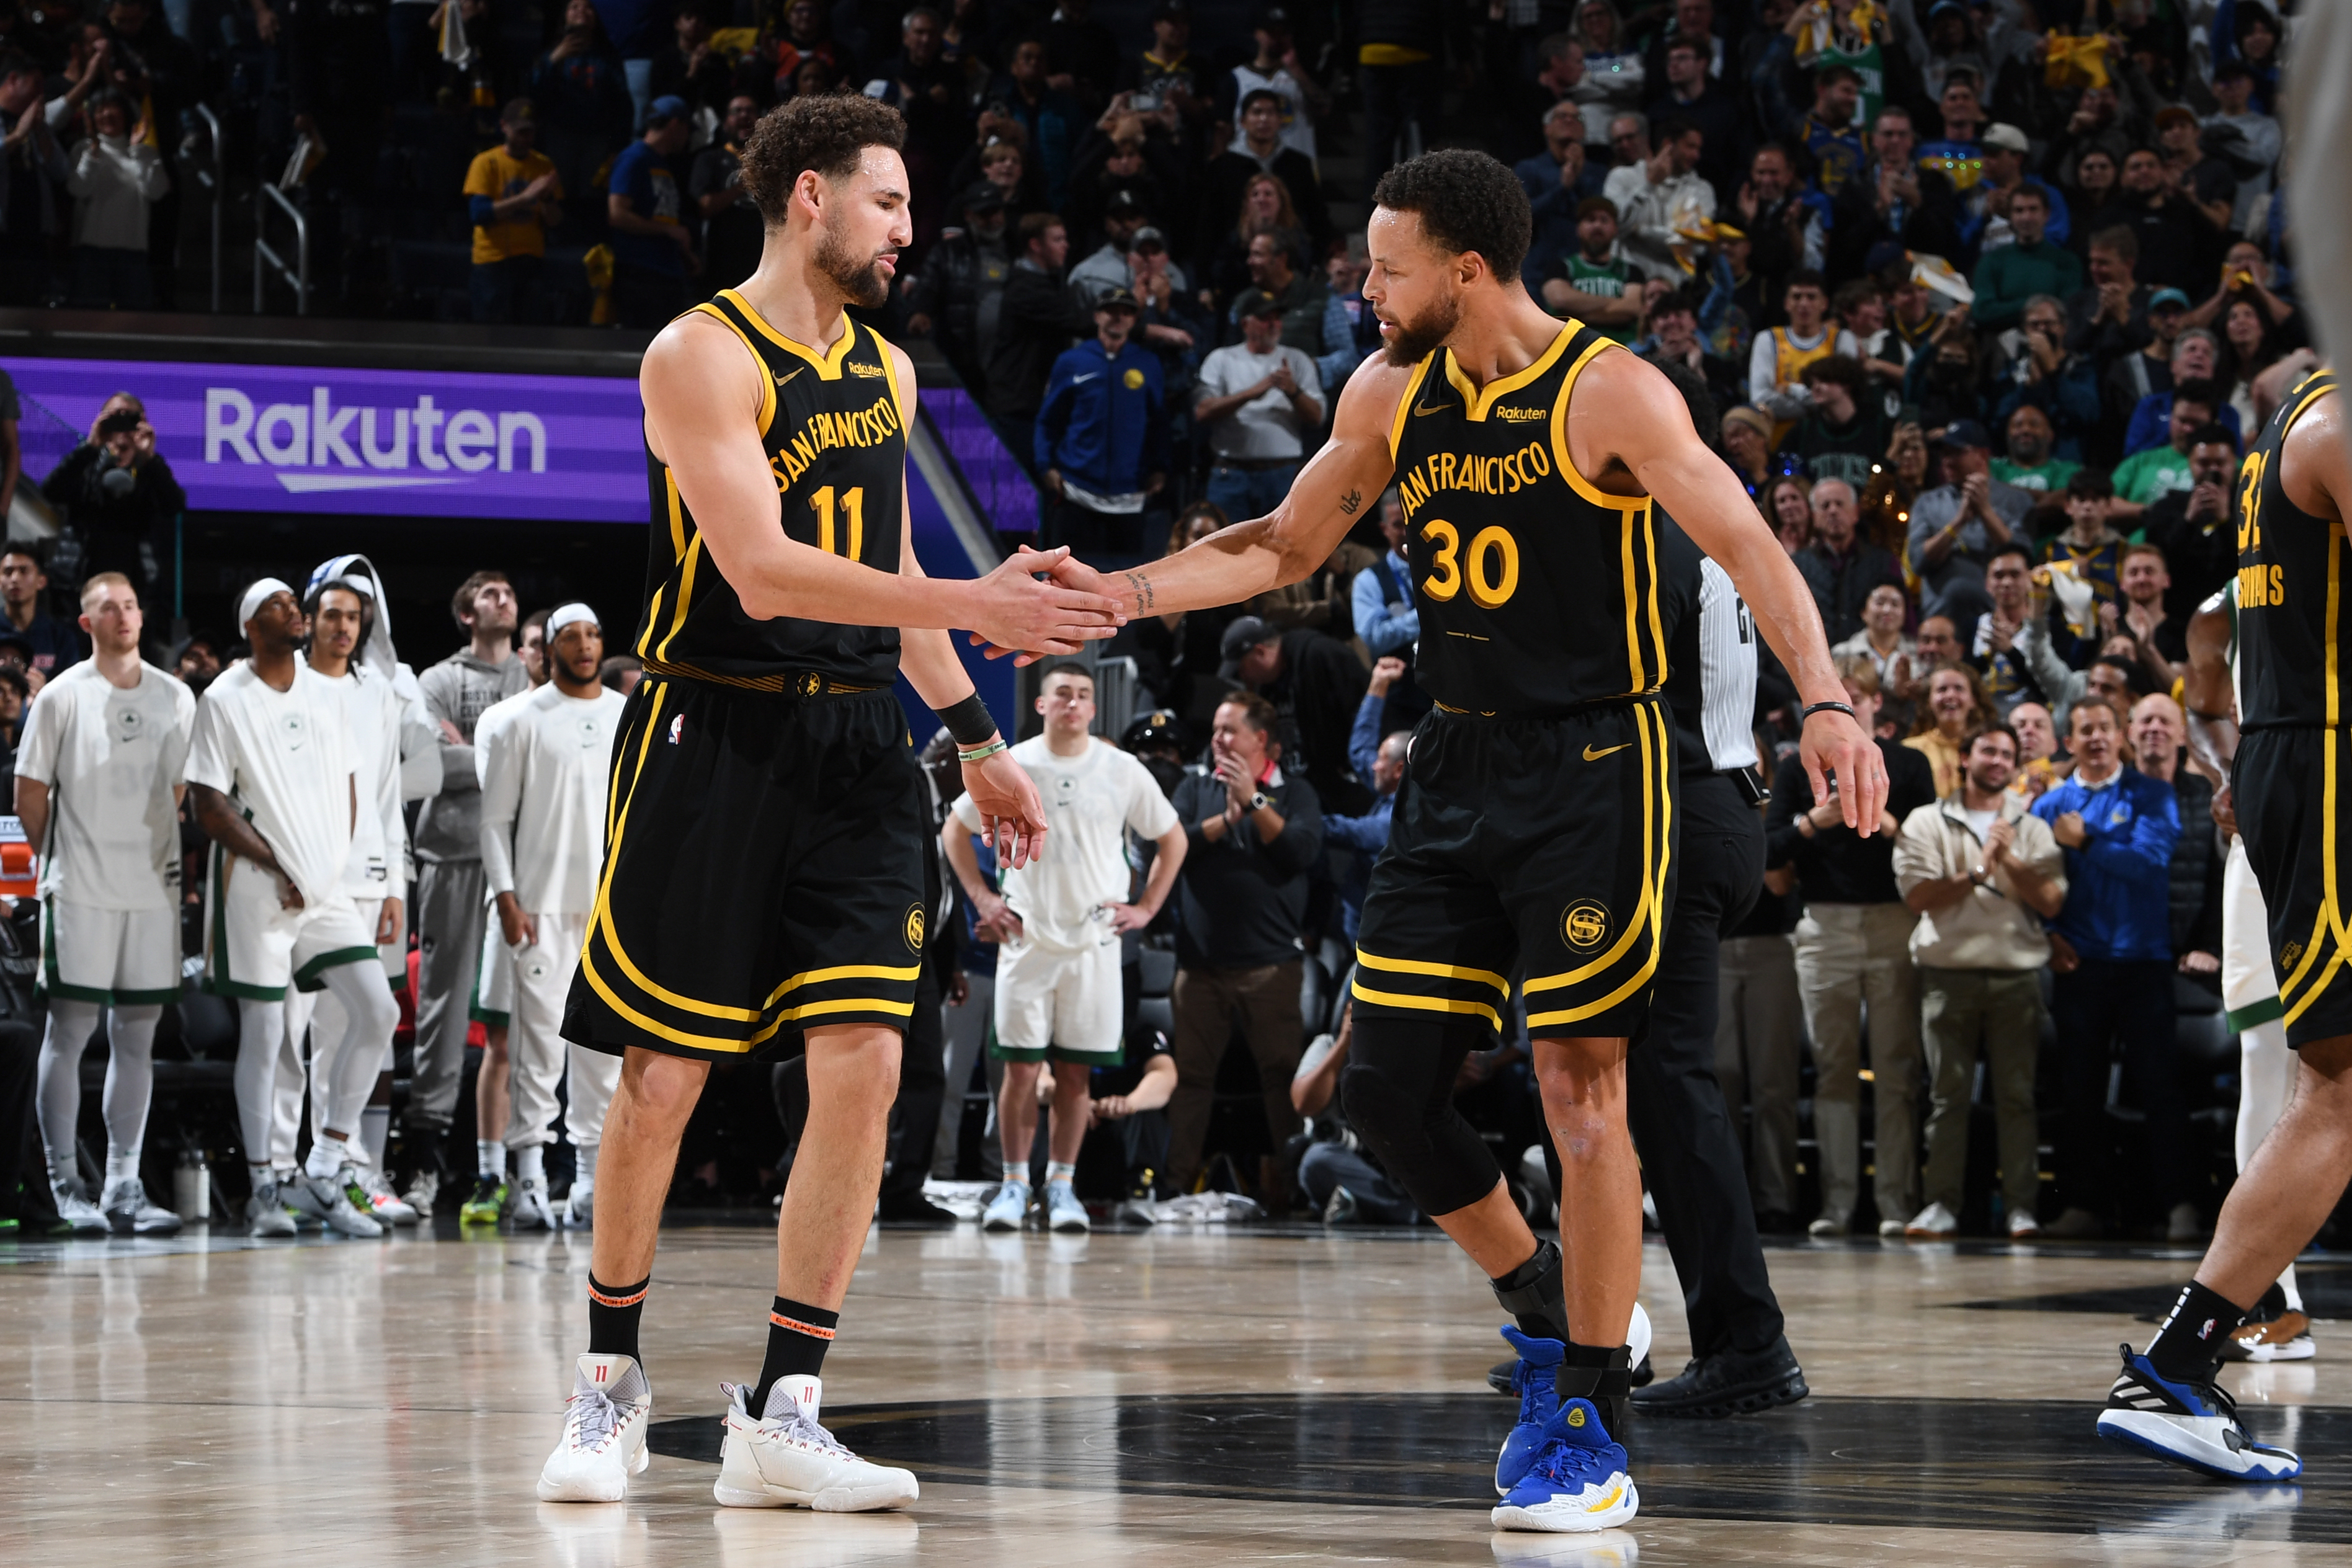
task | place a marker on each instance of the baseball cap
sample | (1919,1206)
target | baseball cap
(1257,302)
(1754,419)
(518,111)
(1122,203)
(1273,19)
(1246,633)
(2173,297)
(667,108)
(1119,297)
(1963,434)
(983,197)
(2008,138)
(1171,11)
(2173,114)
(1148,238)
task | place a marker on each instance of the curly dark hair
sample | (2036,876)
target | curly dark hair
(1467,202)
(826,133)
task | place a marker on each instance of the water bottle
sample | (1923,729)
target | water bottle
(192,1188)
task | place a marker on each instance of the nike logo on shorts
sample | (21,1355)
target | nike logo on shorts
(1594,755)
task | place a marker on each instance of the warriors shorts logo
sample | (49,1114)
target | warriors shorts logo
(914,930)
(1584,924)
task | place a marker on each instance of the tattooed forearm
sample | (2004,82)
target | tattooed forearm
(1144,597)
(1349,502)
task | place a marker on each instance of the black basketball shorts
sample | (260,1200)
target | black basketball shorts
(1534,847)
(2292,788)
(763,872)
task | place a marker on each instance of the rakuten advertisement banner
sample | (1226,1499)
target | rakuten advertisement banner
(380,442)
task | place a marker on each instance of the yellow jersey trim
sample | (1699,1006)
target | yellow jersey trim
(843,971)
(1477,401)
(828,361)
(1405,406)
(1568,468)
(767,382)
(890,370)
(1426,1004)
(1444,971)
(1658,841)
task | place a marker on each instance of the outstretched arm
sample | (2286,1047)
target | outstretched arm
(703,395)
(2206,694)
(1629,429)
(1282,547)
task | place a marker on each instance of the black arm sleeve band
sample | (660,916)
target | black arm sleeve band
(968,721)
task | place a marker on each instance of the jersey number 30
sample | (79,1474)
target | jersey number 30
(853,506)
(1491,568)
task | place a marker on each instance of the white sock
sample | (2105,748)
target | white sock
(583,1171)
(121,1164)
(490,1158)
(327,1157)
(530,1163)
(1064,1170)
(375,1129)
(2287,1288)
(261,1175)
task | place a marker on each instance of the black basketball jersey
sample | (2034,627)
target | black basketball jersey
(835,427)
(2295,632)
(1537,591)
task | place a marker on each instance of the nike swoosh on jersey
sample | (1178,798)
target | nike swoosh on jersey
(1090,375)
(788,376)
(1429,408)
(1592,755)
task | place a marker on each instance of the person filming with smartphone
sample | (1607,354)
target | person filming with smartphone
(119,495)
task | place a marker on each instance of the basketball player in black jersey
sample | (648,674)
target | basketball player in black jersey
(1534,833)
(764,841)
(2292,788)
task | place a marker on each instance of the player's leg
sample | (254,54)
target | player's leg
(1066,1134)
(535,1057)
(785,1458)
(335,957)
(1582,1082)
(448,901)
(78,947)
(1016,1128)
(492,1007)
(129,1089)
(260,1041)
(1891,986)
(1829,983)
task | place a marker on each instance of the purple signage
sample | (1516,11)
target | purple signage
(244,438)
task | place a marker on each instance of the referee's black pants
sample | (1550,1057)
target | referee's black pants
(1690,1157)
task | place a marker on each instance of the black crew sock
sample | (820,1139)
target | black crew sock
(1535,1294)
(798,1335)
(2188,1348)
(613,1313)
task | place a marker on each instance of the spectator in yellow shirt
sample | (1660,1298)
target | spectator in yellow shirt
(514,195)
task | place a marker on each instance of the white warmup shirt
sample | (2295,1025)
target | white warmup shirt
(372,713)
(1090,802)
(110,759)
(545,762)
(283,758)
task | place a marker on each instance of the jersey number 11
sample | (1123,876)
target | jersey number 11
(853,505)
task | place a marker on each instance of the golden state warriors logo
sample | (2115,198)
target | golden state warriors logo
(1575,1417)
(810,684)
(1584,925)
(914,928)
(1132,380)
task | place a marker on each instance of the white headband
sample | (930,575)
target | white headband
(569,615)
(255,596)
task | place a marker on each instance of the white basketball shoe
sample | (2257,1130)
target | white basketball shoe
(604,1423)
(787,1460)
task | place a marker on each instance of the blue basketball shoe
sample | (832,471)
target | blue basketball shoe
(1577,1482)
(1535,1379)
(2190,1423)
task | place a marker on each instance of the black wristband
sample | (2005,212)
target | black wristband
(1825,707)
(967,721)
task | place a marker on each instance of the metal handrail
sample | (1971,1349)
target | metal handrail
(215,179)
(298,275)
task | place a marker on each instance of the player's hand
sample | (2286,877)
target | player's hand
(2225,811)
(387,922)
(958,988)
(1019,613)
(289,897)
(517,928)
(1125,918)
(997,922)
(1834,744)
(1009,810)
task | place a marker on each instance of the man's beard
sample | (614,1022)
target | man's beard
(859,277)
(1416,341)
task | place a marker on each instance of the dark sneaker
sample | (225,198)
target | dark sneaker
(1728,1382)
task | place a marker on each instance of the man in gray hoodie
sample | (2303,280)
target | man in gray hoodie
(451,899)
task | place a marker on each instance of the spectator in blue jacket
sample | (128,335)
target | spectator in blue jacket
(2112,951)
(1381,601)
(1102,434)
(1377,754)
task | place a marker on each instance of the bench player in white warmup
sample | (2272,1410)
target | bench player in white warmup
(1057,974)
(270,768)
(546,761)
(99,772)
(375,876)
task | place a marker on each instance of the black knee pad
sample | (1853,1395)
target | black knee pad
(1398,1089)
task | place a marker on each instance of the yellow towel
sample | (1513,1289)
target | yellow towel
(2075,62)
